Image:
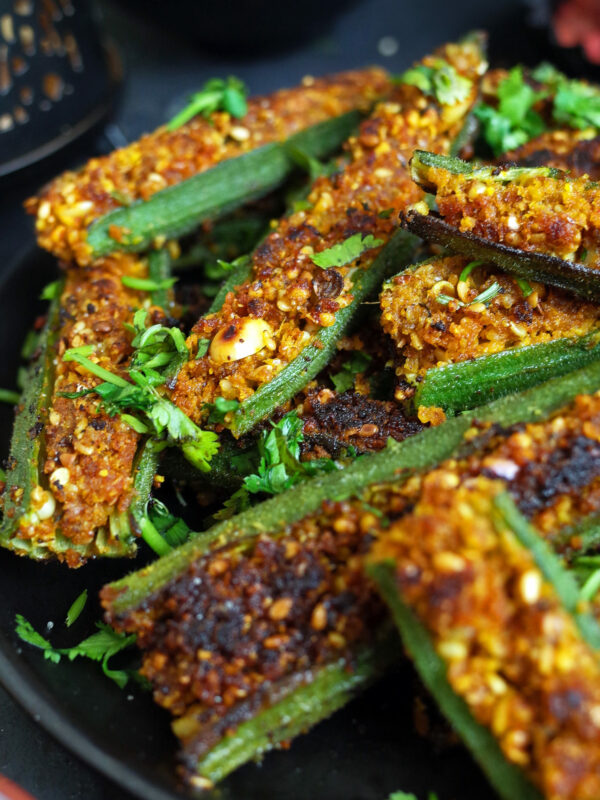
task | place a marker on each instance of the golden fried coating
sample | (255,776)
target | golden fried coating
(270,319)
(511,651)
(68,205)
(576,151)
(222,638)
(428,332)
(88,455)
(551,213)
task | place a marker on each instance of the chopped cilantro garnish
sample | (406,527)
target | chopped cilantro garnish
(524,286)
(345,252)
(147,284)
(50,291)
(10,397)
(441,81)
(100,646)
(277,464)
(76,608)
(515,121)
(483,297)
(577,104)
(216,95)
(468,270)
(344,379)
(161,530)
(220,408)
(159,351)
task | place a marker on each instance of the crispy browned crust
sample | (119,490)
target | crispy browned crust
(286,289)
(429,334)
(512,652)
(220,639)
(88,455)
(68,205)
(575,151)
(333,422)
(554,216)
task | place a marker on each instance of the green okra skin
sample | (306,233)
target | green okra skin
(571,276)
(26,458)
(568,275)
(398,459)
(585,534)
(550,566)
(25,449)
(467,384)
(315,356)
(178,209)
(507,779)
(321,692)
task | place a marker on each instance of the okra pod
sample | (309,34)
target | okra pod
(278,329)
(168,181)
(467,384)
(268,664)
(81,463)
(495,627)
(416,453)
(269,546)
(465,332)
(537,223)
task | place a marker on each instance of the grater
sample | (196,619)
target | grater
(57,78)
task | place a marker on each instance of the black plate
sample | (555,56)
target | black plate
(364,752)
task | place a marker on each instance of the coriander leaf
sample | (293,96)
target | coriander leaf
(147,284)
(100,646)
(27,633)
(173,529)
(215,95)
(524,286)
(548,74)
(76,608)
(515,121)
(577,104)
(419,76)
(344,379)
(10,397)
(51,290)
(220,408)
(345,252)
(279,465)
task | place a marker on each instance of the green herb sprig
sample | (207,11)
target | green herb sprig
(216,95)
(338,255)
(441,81)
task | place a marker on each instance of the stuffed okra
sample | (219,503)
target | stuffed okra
(465,332)
(152,188)
(575,151)
(72,469)
(227,715)
(498,634)
(278,328)
(538,223)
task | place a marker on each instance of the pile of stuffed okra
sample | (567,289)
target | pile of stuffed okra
(382,375)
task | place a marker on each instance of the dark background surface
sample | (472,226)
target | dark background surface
(162,68)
